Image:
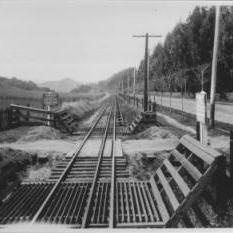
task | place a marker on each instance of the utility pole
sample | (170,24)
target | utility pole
(214,67)
(146,71)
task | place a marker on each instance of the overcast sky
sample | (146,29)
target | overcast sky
(84,40)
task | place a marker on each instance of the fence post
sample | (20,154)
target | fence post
(4,119)
(10,117)
(154,107)
(149,105)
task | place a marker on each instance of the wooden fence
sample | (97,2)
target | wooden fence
(5,119)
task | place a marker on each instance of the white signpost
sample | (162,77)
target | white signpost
(50,99)
(201,113)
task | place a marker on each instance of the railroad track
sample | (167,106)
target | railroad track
(78,190)
(97,191)
(120,129)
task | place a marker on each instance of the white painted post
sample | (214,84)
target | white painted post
(201,113)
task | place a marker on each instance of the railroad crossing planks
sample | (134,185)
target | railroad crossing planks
(159,202)
(184,175)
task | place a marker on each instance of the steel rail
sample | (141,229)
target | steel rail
(112,192)
(36,216)
(94,182)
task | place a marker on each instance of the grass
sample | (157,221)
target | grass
(14,95)
(18,165)
(13,164)
(142,167)
(92,95)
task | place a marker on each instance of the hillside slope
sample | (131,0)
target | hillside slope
(63,85)
(19,88)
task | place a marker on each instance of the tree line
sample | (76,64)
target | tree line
(183,61)
(24,85)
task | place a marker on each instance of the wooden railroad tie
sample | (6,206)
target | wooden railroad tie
(162,201)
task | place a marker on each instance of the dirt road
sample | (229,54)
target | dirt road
(224,112)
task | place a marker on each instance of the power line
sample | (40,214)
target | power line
(146,72)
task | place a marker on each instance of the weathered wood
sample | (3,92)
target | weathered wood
(171,196)
(187,165)
(141,200)
(197,149)
(132,203)
(112,218)
(35,117)
(179,180)
(152,204)
(192,196)
(149,211)
(137,202)
(207,149)
(127,202)
(21,107)
(86,216)
(160,204)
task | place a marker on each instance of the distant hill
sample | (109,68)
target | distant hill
(25,85)
(63,85)
(19,88)
(115,81)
